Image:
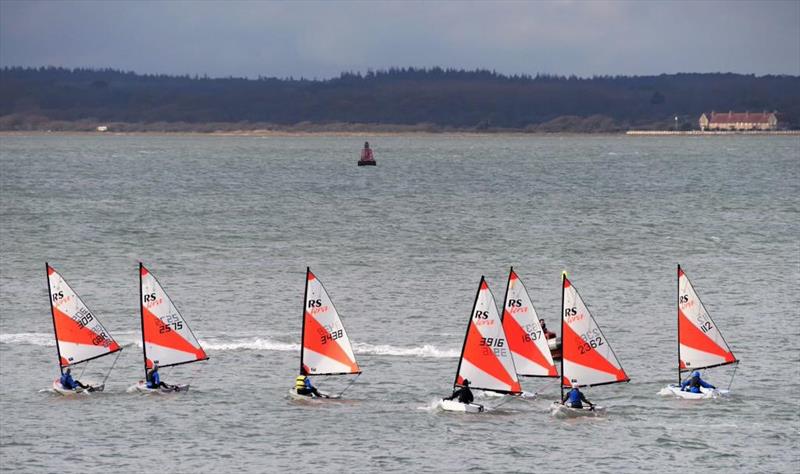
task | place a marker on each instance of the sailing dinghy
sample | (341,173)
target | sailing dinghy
(167,339)
(700,342)
(588,359)
(526,339)
(80,337)
(486,359)
(325,348)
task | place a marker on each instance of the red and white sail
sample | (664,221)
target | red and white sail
(79,334)
(526,339)
(700,341)
(486,359)
(166,335)
(587,355)
(325,349)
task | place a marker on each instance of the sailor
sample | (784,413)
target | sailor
(693,383)
(575,397)
(547,334)
(302,385)
(154,380)
(69,383)
(464,394)
(366,153)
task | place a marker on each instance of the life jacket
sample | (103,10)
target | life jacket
(152,378)
(574,398)
(67,382)
(300,382)
(695,383)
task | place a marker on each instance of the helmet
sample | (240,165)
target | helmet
(696,373)
(574,384)
(466,382)
(68,370)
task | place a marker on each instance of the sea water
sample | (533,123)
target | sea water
(229,224)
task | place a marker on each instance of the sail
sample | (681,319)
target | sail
(700,341)
(587,355)
(166,336)
(486,359)
(526,339)
(79,334)
(325,349)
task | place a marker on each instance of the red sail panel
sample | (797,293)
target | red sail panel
(486,360)
(516,339)
(312,340)
(155,332)
(571,344)
(694,338)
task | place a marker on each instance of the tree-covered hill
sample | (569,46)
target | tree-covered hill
(430,99)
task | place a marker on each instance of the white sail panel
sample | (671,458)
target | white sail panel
(79,334)
(701,342)
(326,348)
(486,359)
(587,355)
(526,339)
(167,337)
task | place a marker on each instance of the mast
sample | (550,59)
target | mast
(53,314)
(464,345)
(563,278)
(303,327)
(141,313)
(505,296)
(678,314)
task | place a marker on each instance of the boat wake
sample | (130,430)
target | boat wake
(249,344)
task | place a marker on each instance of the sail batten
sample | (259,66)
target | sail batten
(166,336)
(325,347)
(587,356)
(700,342)
(80,337)
(486,359)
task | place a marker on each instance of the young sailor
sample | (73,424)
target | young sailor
(694,383)
(302,385)
(464,394)
(154,380)
(71,384)
(575,397)
(547,333)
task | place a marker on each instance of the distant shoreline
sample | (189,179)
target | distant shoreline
(374,133)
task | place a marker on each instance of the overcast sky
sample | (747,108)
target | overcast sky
(321,39)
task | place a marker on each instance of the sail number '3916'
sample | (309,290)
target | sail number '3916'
(493,345)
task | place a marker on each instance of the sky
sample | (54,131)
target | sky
(314,39)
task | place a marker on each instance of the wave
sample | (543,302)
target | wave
(253,344)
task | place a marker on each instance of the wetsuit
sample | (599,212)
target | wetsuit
(464,395)
(693,385)
(574,399)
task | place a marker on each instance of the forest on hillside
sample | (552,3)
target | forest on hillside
(434,99)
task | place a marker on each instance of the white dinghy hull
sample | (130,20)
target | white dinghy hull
(559,410)
(705,393)
(325,396)
(456,406)
(57,387)
(141,387)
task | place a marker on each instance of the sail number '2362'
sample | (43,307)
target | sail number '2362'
(591,340)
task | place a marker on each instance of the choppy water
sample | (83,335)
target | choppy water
(229,224)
